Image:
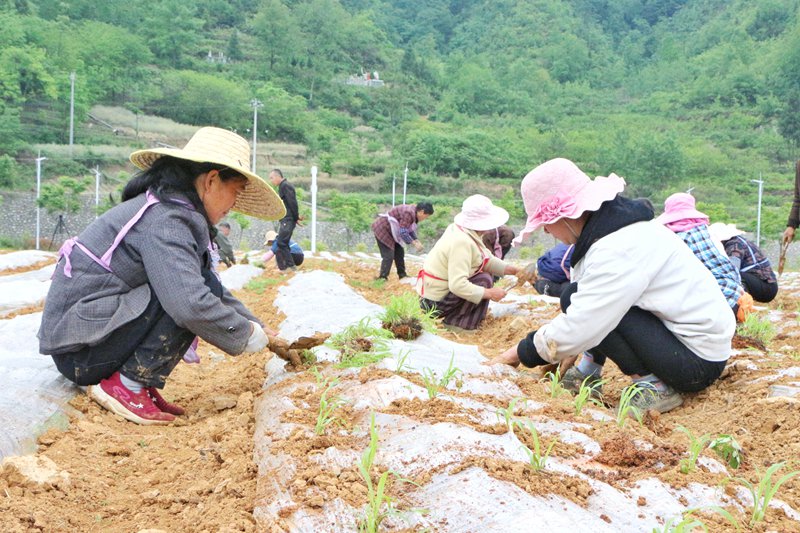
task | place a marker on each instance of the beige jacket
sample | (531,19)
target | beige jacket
(456,256)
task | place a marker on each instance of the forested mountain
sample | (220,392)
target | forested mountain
(668,93)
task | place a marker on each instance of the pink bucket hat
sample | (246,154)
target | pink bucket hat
(680,206)
(479,214)
(558,189)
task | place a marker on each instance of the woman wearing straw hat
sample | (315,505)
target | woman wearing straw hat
(271,240)
(639,296)
(131,293)
(456,279)
(758,278)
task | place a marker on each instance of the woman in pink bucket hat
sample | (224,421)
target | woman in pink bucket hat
(638,295)
(456,279)
(691,225)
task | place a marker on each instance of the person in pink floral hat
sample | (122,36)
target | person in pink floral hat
(638,295)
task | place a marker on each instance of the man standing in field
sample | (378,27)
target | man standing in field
(283,255)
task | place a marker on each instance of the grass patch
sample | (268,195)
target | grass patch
(258,285)
(757,327)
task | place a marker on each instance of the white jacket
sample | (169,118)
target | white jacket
(647,266)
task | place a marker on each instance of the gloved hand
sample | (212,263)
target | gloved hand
(746,306)
(258,339)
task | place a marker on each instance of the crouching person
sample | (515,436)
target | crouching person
(456,278)
(639,296)
(132,292)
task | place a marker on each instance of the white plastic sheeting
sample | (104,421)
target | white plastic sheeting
(467,501)
(31,389)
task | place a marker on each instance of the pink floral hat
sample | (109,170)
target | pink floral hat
(558,189)
(479,213)
(681,206)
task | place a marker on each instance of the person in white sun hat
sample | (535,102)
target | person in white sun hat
(456,278)
(758,278)
(132,292)
(638,296)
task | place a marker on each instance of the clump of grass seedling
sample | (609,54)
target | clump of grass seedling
(508,414)
(402,357)
(757,327)
(379,504)
(586,393)
(554,384)
(765,490)
(327,406)
(696,445)
(626,407)
(689,522)
(308,357)
(258,285)
(536,459)
(360,344)
(728,449)
(435,386)
(405,318)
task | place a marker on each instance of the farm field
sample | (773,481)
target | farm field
(255,453)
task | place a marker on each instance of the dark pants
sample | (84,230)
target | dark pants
(760,290)
(283,256)
(298,259)
(642,345)
(145,350)
(459,312)
(398,255)
(550,288)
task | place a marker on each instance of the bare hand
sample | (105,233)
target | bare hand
(566,364)
(527,274)
(417,246)
(509,357)
(494,294)
(788,235)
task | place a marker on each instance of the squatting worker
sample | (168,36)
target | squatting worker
(638,295)
(130,294)
(456,278)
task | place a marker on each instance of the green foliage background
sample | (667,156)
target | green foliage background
(670,94)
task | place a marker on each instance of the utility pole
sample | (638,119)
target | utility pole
(39,160)
(71,110)
(313,209)
(405,182)
(256,103)
(758,217)
(96,190)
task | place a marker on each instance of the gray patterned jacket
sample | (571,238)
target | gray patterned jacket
(163,253)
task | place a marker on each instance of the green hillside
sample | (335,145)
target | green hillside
(670,94)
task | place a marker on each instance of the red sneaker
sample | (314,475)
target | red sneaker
(164,405)
(118,399)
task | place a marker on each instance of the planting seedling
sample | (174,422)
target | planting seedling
(554,384)
(434,386)
(696,445)
(727,447)
(758,328)
(765,490)
(536,459)
(626,408)
(508,414)
(325,416)
(379,504)
(401,361)
(360,344)
(586,394)
(405,318)
(689,522)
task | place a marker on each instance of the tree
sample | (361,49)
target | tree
(355,213)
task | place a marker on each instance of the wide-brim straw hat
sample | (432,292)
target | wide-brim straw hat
(270,236)
(480,214)
(558,189)
(223,147)
(723,232)
(680,206)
